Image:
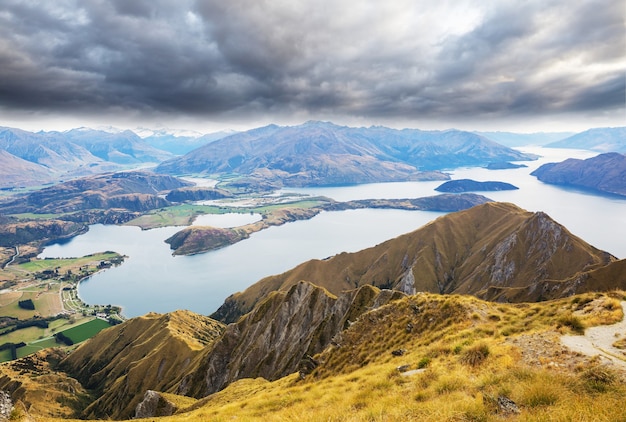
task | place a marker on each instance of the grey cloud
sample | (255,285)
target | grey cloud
(239,58)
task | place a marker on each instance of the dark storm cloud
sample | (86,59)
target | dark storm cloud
(238,58)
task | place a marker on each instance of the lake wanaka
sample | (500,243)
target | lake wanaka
(151,279)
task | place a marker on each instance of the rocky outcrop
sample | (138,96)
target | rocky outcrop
(284,329)
(603,173)
(469,252)
(154,404)
(6,406)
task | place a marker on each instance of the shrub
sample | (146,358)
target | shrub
(540,393)
(598,378)
(475,355)
(573,322)
(423,362)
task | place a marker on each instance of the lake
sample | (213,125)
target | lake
(152,279)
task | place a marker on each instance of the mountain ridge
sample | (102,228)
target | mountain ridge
(464,252)
(322,153)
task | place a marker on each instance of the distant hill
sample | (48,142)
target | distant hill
(132,191)
(603,173)
(511,139)
(599,139)
(16,172)
(468,185)
(321,153)
(490,251)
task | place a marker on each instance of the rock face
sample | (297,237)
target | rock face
(6,406)
(603,173)
(280,332)
(490,251)
(468,185)
(154,404)
(320,153)
(148,352)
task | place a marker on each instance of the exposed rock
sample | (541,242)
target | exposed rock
(278,334)
(6,406)
(153,405)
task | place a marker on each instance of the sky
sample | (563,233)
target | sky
(208,65)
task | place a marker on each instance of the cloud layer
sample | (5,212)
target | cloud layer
(234,60)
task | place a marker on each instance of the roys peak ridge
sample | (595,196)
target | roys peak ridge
(494,251)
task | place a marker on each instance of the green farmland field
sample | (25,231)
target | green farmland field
(87,330)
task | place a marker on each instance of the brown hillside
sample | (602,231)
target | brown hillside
(148,352)
(467,252)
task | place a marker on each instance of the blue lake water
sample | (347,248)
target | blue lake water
(152,279)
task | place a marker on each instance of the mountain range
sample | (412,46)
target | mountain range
(29,158)
(354,311)
(597,139)
(603,173)
(322,153)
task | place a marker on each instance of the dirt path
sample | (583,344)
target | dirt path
(598,341)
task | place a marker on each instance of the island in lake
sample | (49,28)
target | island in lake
(468,185)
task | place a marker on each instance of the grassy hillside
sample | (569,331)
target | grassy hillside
(441,358)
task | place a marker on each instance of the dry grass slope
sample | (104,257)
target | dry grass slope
(468,361)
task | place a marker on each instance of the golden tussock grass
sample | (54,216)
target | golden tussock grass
(463,364)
